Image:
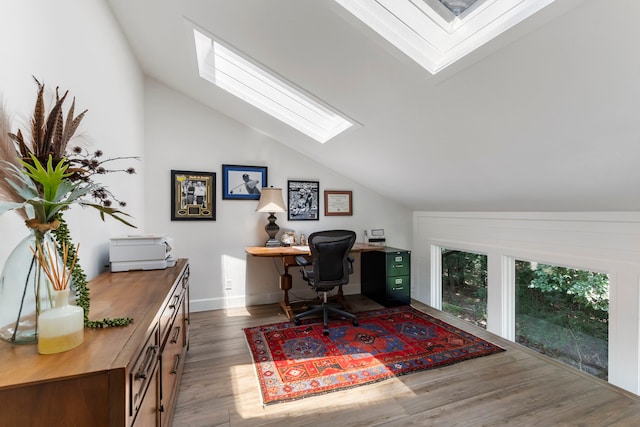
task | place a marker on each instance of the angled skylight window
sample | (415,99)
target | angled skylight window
(436,33)
(251,82)
(458,6)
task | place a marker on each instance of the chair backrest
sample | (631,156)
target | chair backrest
(329,252)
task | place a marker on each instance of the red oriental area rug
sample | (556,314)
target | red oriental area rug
(293,362)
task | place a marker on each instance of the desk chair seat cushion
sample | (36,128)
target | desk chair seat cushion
(331,266)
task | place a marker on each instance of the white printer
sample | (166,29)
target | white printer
(375,236)
(141,252)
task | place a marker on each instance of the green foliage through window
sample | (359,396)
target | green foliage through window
(464,285)
(584,288)
(560,312)
(563,313)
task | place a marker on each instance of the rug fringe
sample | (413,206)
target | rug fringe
(254,365)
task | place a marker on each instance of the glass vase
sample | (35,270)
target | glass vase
(60,328)
(25,290)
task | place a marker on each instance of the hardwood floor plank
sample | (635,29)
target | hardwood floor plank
(518,387)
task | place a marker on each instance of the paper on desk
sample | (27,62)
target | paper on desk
(301,248)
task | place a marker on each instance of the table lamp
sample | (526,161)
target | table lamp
(271,202)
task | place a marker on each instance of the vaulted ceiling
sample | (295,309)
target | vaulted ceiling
(544,117)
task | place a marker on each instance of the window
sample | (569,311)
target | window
(464,285)
(564,313)
(435,33)
(228,69)
(457,7)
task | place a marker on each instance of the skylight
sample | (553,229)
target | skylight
(436,33)
(458,6)
(251,82)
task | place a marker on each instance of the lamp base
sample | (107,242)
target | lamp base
(272,229)
(272,243)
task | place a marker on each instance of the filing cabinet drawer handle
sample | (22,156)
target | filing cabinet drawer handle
(176,363)
(175,335)
(147,364)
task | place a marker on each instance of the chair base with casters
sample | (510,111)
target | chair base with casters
(330,267)
(326,308)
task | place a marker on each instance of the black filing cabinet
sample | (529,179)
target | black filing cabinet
(386,276)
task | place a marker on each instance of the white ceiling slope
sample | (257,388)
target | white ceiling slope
(545,117)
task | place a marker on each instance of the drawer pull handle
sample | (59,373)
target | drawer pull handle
(176,363)
(185,278)
(147,364)
(176,298)
(176,335)
(398,289)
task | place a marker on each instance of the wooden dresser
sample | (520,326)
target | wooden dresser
(122,376)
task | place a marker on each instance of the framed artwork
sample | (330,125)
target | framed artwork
(304,200)
(338,203)
(243,182)
(193,195)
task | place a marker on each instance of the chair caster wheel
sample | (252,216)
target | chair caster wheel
(355,323)
(296,322)
(325,332)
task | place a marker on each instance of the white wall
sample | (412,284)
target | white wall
(607,242)
(181,134)
(76,45)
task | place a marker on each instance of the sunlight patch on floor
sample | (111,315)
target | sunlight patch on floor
(236,312)
(248,396)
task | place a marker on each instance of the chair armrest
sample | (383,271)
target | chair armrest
(302,260)
(351,261)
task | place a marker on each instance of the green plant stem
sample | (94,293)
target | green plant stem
(79,280)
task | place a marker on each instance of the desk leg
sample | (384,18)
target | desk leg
(341,300)
(285,285)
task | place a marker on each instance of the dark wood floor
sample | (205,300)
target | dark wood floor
(514,388)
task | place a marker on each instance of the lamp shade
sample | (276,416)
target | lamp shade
(271,200)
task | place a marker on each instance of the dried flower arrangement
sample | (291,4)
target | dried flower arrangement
(40,178)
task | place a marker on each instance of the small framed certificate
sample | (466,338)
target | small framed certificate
(338,203)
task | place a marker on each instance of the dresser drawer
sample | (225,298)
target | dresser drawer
(169,312)
(172,363)
(142,376)
(399,263)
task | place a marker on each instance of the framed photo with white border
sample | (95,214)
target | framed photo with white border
(243,182)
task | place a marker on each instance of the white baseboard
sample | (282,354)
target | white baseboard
(239,301)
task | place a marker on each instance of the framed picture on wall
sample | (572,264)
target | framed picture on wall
(243,182)
(303,200)
(338,203)
(193,195)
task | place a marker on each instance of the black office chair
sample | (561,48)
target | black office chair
(331,266)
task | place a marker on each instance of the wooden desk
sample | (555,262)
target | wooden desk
(288,255)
